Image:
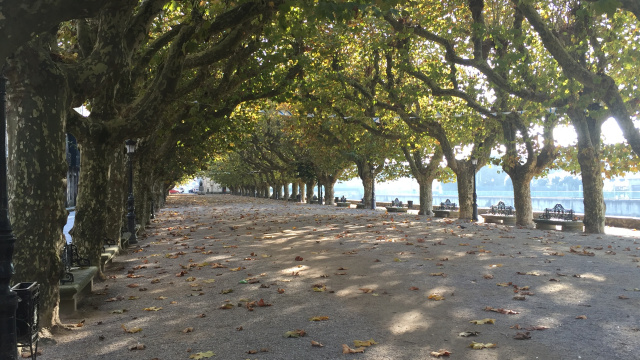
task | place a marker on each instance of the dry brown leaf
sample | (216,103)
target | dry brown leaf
(347,350)
(137,347)
(316,344)
(187,330)
(582,317)
(441,352)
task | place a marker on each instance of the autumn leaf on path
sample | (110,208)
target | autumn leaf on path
(582,317)
(319,318)
(435,297)
(413,288)
(226,291)
(131,330)
(226,306)
(439,274)
(280,291)
(479,346)
(495,265)
(483,321)
(316,344)
(532,273)
(529,328)
(319,287)
(367,343)
(202,355)
(347,350)
(187,330)
(119,311)
(133,285)
(299,258)
(504,284)
(81,323)
(522,336)
(153,308)
(366,290)
(501,311)
(295,333)
(441,352)
(469,333)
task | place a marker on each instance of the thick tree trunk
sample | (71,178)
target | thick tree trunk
(116,196)
(37,168)
(302,187)
(588,130)
(286,192)
(90,222)
(294,190)
(329,193)
(465,190)
(368,187)
(592,189)
(310,186)
(522,198)
(426,195)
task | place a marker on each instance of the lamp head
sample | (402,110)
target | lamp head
(130,145)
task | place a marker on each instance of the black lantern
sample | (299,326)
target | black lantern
(474,162)
(131,216)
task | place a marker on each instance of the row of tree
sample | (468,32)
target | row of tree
(188,78)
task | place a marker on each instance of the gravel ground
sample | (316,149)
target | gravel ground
(377,272)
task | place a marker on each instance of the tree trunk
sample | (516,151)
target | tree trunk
(588,130)
(37,167)
(310,186)
(329,192)
(426,195)
(90,222)
(286,192)
(465,190)
(522,198)
(294,190)
(116,196)
(368,187)
(302,186)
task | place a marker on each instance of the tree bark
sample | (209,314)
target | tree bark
(116,196)
(286,192)
(294,190)
(90,222)
(302,186)
(329,192)
(37,169)
(588,130)
(522,198)
(465,189)
(425,184)
(310,186)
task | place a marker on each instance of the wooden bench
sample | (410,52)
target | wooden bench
(500,214)
(558,216)
(499,219)
(445,209)
(72,293)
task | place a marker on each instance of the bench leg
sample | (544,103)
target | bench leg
(572,227)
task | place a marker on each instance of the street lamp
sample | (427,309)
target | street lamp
(373,189)
(474,162)
(131,216)
(8,298)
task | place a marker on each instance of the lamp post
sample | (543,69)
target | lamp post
(131,216)
(8,298)
(319,193)
(474,162)
(373,189)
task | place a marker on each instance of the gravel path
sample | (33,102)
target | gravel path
(370,273)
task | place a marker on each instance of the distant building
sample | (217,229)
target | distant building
(209,186)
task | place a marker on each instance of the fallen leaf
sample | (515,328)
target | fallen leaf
(582,317)
(495,265)
(501,310)
(478,346)
(347,350)
(315,343)
(469,333)
(131,330)
(226,306)
(161,297)
(137,347)
(435,297)
(133,285)
(299,258)
(80,324)
(280,291)
(441,352)
(319,318)
(153,308)
(119,311)
(413,288)
(187,330)
(226,291)
(366,290)
(295,333)
(319,288)
(202,355)
(367,343)
(488,276)
(623,297)
(504,284)
(483,321)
